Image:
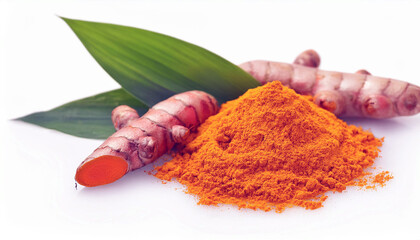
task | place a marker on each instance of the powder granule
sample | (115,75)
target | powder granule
(271,149)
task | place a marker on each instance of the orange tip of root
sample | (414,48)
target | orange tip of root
(101,170)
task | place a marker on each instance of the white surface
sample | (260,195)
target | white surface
(43,65)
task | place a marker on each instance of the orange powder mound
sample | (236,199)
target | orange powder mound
(271,149)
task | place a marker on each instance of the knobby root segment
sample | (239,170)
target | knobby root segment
(308,58)
(102,170)
(345,94)
(139,141)
(122,115)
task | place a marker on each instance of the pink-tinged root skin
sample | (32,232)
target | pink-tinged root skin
(330,100)
(345,94)
(180,133)
(139,141)
(147,147)
(409,101)
(122,115)
(363,71)
(308,58)
(378,106)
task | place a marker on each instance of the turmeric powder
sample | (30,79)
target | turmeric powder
(271,149)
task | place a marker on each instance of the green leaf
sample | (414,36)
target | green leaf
(153,66)
(88,117)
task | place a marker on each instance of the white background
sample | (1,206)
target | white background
(43,65)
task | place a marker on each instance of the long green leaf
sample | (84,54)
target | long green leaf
(88,117)
(153,66)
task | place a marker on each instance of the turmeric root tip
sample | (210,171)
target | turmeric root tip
(101,170)
(363,71)
(330,100)
(122,115)
(308,58)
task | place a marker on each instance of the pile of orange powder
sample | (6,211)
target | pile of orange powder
(271,149)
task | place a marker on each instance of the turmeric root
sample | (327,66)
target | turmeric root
(344,94)
(140,141)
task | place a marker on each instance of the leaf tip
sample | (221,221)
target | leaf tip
(66,20)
